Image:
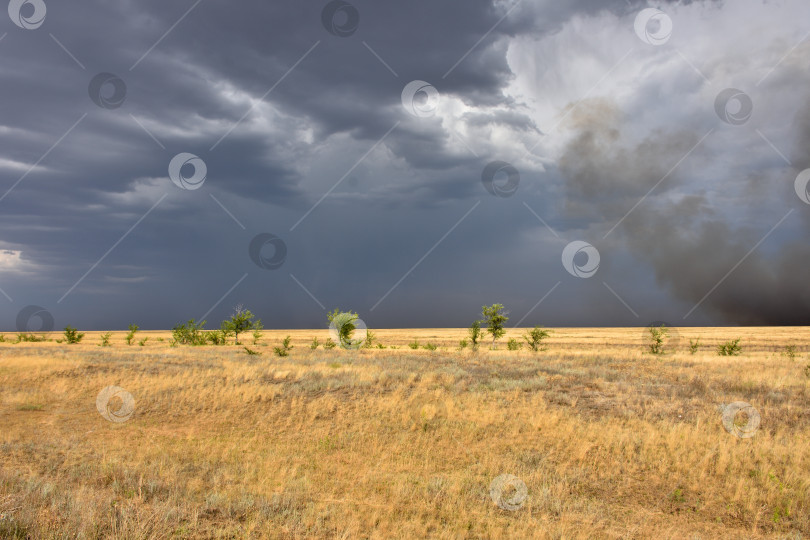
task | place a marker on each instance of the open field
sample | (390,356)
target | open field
(610,441)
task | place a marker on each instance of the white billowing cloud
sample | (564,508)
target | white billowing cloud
(18,166)
(673,87)
(12,262)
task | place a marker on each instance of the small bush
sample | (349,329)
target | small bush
(381,346)
(414,345)
(495,318)
(142,342)
(105,339)
(694,345)
(791,352)
(807,371)
(31,338)
(462,344)
(329,344)
(132,329)
(513,344)
(475,334)
(430,346)
(190,333)
(285,348)
(257,332)
(2,338)
(73,336)
(241,321)
(31,407)
(370,337)
(534,339)
(216,337)
(730,348)
(314,344)
(251,352)
(658,335)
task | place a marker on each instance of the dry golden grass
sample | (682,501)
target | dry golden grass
(398,443)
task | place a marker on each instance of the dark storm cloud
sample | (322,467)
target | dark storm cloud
(280,110)
(690,247)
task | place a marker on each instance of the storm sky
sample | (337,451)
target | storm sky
(584,163)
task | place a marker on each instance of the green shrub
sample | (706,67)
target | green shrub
(791,352)
(257,332)
(2,338)
(534,339)
(694,345)
(370,337)
(430,347)
(495,319)
(329,344)
(658,335)
(462,344)
(513,344)
(314,344)
(73,336)
(285,348)
(216,337)
(31,338)
(132,329)
(414,345)
(251,352)
(475,334)
(190,333)
(730,348)
(142,342)
(241,321)
(807,371)
(381,346)
(105,339)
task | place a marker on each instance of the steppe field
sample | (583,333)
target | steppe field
(602,438)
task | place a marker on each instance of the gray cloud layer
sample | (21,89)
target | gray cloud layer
(303,114)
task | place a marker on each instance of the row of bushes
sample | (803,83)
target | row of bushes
(71,336)
(658,336)
(343,324)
